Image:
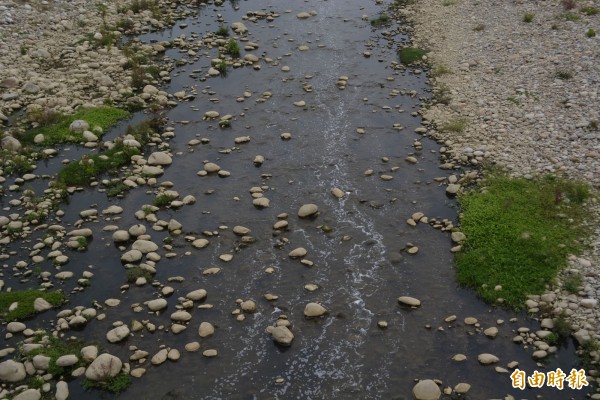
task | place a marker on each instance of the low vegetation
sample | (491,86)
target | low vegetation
(457,125)
(411,55)
(382,20)
(519,234)
(25,299)
(55,127)
(528,17)
(90,167)
(233,48)
(116,384)
(56,348)
(134,273)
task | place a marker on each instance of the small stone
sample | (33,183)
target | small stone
(409,301)
(462,388)
(206,329)
(210,353)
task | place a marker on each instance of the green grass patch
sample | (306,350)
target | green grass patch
(58,132)
(223,31)
(163,200)
(573,283)
(564,75)
(138,272)
(590,33)
(88,168)
(519,234)
(56,348)
(528,17)
(382,20)
(589,10)
(233,48)
(411,55)
(568,16)
(116,384)
(25,299)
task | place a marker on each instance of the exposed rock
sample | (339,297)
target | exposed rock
(206,329)
(12,371)
(308,210)
(281,334)
(117,334)
(314,310)
(409,301)
(426,389)
(105,366)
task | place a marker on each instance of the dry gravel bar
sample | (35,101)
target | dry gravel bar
(529,94)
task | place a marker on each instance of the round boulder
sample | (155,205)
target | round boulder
(427,389)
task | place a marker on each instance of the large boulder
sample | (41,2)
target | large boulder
(105,366)
(12,371)
(427,389)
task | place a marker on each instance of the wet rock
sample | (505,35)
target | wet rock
(462,388)
(210,353)
(426,389)
(181,316)
(491,332)
(206,329)
(486,358)
(160,158)
(261,202)
(458,237)
(337,193)
(144,246)
(104,367)
(192,347)
(41,362)
(132,256)
(15,327)
(196,295)
(248,306)
(160,357)
(308,210)
(241,230)
(299,252)
(281,334)
(314,310)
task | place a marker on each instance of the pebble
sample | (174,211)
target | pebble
(409,301)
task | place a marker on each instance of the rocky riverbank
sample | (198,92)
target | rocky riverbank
(516,85)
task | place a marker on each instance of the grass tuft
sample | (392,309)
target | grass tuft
(457,125)
(116,384)
(410,55)
(519,234)
(382,20)
(528,17)
(25,299)
(134,273)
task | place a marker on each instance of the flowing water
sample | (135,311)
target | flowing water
(360,266)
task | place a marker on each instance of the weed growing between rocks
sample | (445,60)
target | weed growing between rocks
(223,31)
(528,17)
(134,273)
(25,300)
(55,348)
(519,234)
(382,20)
(116,384)
(411,55)
(233,48)
(457,125)
(90,167)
